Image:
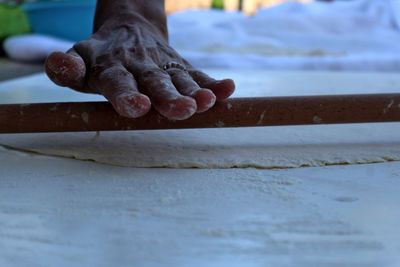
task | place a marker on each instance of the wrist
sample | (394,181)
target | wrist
(132,11)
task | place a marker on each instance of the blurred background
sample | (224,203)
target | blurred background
(336,35)
(246,6)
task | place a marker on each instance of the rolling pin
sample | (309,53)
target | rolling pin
(234,112)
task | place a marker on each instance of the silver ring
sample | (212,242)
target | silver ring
(173,65)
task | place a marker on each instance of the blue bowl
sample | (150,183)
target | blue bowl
(68,19)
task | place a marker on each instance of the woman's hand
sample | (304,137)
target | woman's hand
(126,60)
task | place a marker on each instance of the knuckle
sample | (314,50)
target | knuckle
(175,72)
(105,58)
(97,69)
(201,76)
(152,73)
(195,74)
(81,46)
(105,72)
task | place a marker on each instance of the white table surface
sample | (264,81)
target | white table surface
(65,212)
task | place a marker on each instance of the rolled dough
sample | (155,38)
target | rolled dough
(266,147)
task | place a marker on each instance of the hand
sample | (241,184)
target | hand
(123,61)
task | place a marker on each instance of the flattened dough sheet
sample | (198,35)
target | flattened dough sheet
(268,147)
(265,147)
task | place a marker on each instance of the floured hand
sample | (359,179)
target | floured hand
(124,59)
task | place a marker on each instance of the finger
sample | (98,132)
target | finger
(165,98)
(221,88)
(66,69)
(184,83)
(120,88)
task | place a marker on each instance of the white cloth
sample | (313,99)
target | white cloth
(338,35)
(34,47)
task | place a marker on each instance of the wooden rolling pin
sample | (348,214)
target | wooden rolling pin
(235,112)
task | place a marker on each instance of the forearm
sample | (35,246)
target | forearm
(150,10)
